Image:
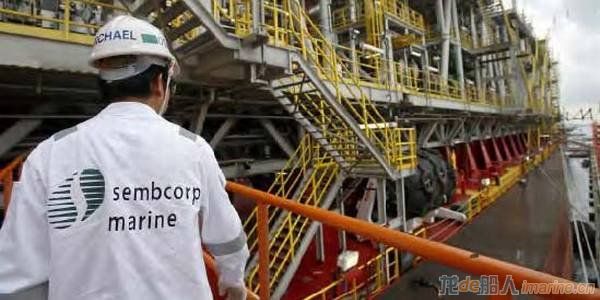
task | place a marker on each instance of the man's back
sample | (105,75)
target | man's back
(124,195)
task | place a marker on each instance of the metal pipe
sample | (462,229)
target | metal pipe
(368,47)
(580,250)
(458,50)
(591,253)
(325,20)
(473,29)
(453,257)
(445,26)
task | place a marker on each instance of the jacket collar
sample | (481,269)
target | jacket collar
(129,108)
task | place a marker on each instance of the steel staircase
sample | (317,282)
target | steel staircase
(311,177)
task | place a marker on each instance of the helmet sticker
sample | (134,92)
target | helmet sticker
(115,35)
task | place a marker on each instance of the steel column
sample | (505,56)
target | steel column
(16,133)
(281,141)
(499,157)
(509,156)
(222,131)
(381,195)
(199,123)
(486,157)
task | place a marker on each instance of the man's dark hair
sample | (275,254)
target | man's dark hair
(135,86)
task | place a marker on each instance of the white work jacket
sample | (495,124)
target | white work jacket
(117,208)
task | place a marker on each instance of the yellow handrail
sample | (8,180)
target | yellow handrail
(54,28)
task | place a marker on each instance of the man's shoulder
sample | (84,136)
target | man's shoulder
(190,136)
(69,132)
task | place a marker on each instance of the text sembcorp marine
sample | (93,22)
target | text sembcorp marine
(120,206)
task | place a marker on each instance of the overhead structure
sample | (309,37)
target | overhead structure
(396,91)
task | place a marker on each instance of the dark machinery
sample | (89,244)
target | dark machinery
(431,186)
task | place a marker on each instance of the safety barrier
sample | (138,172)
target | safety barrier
(371,70)
(396,9)
(7,178)
(291,22)
(459,259)
(341,17)
(285,28)
(234,14)
(381,276)
(384,267)
(466,40)
(399,9)
(74,21)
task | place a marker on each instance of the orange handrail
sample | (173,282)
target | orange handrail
(6,178)
(211,266)
(453,257)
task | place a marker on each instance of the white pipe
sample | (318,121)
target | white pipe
(459,58)
(368,47)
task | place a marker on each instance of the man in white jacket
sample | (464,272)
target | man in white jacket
(118,207)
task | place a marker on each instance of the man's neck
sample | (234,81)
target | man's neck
(150,102)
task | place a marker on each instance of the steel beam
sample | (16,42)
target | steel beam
(381,202)
(16,133)
(401,202)
(203,13)
(250,168)
(222,131)
(199,123)
(281,141)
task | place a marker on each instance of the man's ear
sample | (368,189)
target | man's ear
(157,87)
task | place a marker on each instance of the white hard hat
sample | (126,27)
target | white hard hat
(128,36)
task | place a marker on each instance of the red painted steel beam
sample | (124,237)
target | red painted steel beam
(497,152)
(509,156)
(486,157)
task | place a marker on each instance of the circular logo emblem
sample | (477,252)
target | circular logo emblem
(76,198)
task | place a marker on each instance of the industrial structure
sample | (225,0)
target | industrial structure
(398,112)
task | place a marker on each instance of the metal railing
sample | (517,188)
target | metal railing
(397,9)
(7,178)
(400,10)
(235,15)
(466,261)
(305,37)
(341,17)
(375,282)
(288,234)
(74,21)
(287,180)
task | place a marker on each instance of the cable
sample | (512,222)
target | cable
(568,176)
(589,248)
(581,259)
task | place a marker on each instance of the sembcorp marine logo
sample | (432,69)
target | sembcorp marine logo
(76,198)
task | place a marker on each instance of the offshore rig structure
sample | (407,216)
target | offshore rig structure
(403,113)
